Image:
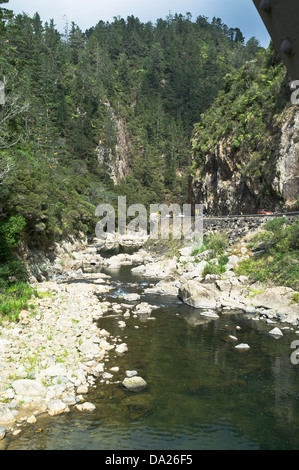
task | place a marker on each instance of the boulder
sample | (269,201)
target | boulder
(131,297)
(55,371)
(143,308)
(2,432)
(56,407)
(198,296)
(134,383)
(195,269)
(29,388)
(159,270)
(89,348)
(6,415)
(121,348)
(163,288)
(276,332)
(87,406)
(131,373)
(279,301)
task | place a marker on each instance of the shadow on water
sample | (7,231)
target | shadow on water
(202,393)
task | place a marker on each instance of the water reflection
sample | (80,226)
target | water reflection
(202,393)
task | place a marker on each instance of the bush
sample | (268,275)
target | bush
(279,261)
(14,299)
(212,268)
(217,243)
(10,235)
(15,292)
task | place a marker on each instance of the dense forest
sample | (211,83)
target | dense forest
(90,115)
(244,145)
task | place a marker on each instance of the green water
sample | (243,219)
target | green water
(202,393)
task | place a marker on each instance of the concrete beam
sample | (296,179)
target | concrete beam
(281,18)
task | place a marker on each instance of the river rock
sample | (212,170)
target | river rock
(121,348)
(89,348)
(193,270)
(131,297)
(87,406)
(242,346)
(6,415)
(134,384)
(54,371)
(196,295)
(159,269)
(276,332)
(131,373)
(2,432)
(29,388)
(31,419)
(209,313)
(164,288)
(143,308)
(107,376)
(278,300)
(57,407)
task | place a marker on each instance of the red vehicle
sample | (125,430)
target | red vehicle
(264,212)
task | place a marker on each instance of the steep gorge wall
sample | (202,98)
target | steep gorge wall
(287,164)
(114,154)
(224,187)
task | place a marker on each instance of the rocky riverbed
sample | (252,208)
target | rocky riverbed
(51,358)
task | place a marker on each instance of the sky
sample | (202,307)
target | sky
(234,13)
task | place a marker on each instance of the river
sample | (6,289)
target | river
(202,393)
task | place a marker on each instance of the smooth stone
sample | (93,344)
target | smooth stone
(131,297)
(208,313)
(242,346)
(57,407)
(107,376)
(233,338)
(87,406)
(29,388)
(134,384)
(121,348)
(54,371)
(6,416)
(89,348)
(131,373)
(276,332)
(82,389)
(31,420)
(2,432)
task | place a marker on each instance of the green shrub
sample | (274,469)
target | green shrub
(10,235)
(212,268)
(279,261)
(15,298)
(217,243)
(199,250)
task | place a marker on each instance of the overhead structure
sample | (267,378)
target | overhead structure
(281,18)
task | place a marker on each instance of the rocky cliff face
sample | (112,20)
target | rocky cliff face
(287,181)
(224,187)
(114,156)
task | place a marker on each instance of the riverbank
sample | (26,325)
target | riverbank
(55,353)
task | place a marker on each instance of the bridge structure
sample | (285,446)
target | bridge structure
(281,18)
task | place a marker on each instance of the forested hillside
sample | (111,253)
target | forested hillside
(246,146)
(92,114)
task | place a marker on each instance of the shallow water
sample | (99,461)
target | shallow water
(202,393)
